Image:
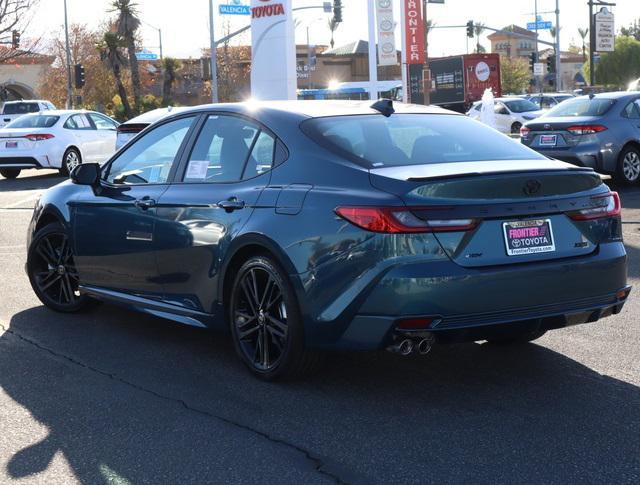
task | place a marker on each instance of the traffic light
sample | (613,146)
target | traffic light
(337,11)
(470,29)
(551,63)
(15,39)
(79,74)
(532,60)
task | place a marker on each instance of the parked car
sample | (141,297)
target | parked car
(311,225)
(546,101)
(511,113)
(56,139)
(129,129)
(14,109)
(600,131)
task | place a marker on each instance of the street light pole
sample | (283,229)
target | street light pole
(558,56)
(160,42)
(66,38)
(373,61)
(214,60)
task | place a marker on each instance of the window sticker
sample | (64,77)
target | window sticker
(197,170)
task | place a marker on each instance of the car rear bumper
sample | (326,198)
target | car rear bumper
(586,155)
(23,162)
(473,302)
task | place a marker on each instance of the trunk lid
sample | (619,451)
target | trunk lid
(551,133)
(12,140)
(513,203)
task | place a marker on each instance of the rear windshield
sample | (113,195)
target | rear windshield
(20,108)
(414,139)
(582,107)
(521,105)
(34,121)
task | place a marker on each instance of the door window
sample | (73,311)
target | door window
(500,109)
(102,122)
(221,151)
(547,102)
(261,159)
(633,110)
(149,159)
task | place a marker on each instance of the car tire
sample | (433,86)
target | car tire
(52,273)
(628,172)
(10,173)
(266,324)
(522,337)
(515,128)
(70,160)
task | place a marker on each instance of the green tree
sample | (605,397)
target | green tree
(333,26)
(583,35)
(514,74)
(111,52)
(127,24)
(170,68)
(620,67)
(478,29)
(633,30)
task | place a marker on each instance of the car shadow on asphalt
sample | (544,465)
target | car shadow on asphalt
(43,181)
(143,399)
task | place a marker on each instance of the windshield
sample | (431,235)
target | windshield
(414,139)
(20,108)
(521,105)
(34,121)
(582,107)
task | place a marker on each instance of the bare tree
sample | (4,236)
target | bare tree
(15,16)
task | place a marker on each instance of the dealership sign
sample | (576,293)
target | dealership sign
(414,32)
(387,55)
(273,50)
(605,30)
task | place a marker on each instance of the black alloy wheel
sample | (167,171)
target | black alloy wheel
(52,270)
(265,322)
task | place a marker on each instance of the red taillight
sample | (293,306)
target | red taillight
(607,205)
(415,323)
(585,129)
(524,131)
(399,220)
(39,136)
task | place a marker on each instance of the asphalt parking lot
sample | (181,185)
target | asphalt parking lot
(112,396)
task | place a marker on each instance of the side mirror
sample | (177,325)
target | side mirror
(86,174)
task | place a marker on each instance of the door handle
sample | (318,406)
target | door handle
(231,204)
(145,203)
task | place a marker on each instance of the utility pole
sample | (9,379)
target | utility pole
(214,60)
(592,43)
(160,42)
(558,56)
(68,49)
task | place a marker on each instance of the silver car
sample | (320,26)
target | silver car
(600,131)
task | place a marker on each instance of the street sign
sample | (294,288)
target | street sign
(327,7)
(605,30)
(146,55)
(387,55)
(235,9)
(542,25)
(538,69)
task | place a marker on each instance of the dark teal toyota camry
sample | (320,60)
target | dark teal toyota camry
(309,226)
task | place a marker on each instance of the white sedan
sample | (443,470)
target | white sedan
(511,113)
(59,139)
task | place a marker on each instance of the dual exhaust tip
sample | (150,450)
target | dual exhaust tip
(407,346)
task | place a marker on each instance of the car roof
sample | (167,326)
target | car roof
(63,112)
(614,95)
(15,101)
(305,109)
(155,115)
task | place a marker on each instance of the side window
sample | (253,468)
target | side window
(500,109)
(148,160)
(547,102)
(78,122)
(71,124)
(535,100)
(101,122)
(222,150)
(261,159)
(633,110)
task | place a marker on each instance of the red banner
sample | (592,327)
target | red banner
(414,29)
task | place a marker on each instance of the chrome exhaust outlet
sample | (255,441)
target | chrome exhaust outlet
(404,347)
(424,346)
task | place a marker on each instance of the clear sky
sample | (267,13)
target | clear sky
(184,23)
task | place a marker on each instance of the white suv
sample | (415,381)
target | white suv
(14,109)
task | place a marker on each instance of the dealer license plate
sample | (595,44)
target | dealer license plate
(548,140)
(528,237)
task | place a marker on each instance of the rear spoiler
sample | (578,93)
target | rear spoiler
(499,172)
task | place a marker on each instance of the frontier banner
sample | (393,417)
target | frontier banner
(387,55)
(414,32)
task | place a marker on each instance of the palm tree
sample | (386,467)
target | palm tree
(170,66)
(110,47)
(478,28)
(127,25)
(583,35)
(333,26)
